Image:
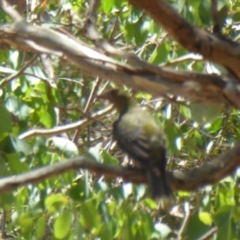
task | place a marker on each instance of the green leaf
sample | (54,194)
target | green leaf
(15,106)
(195,227)
(66,146)
(183,194)
(62,225)
(142,95)
(202,113)
(185,111)
(20,145)
(77,190)
(160,54)
(118,3)
(107,5)
(16,165)
(54,202)
(145,226)
(7,199)
(181,4)
(224,194)
(41,88)
(26,223)
(215,126)
(163,229)
(206,218)
(6,121)
(171,132)
(127,189)
(135,28)
(7,145)
(47,115)
(141,190)
(221,16)
(109,159)
(236,16)
(95,151)
(204,12)
(150,203)
(90,217)
(223,221)
(40,228)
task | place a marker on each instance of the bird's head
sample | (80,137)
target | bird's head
(121,101)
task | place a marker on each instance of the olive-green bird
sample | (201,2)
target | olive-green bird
(139,135)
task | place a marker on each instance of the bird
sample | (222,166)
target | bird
(139,135)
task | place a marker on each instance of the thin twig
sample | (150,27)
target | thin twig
(208,234)
(3,224)
(185,221)
(7,80)
(88,105)
(62,129)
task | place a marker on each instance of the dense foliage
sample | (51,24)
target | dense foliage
(79,204)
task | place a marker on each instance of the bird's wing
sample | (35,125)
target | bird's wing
(131,138)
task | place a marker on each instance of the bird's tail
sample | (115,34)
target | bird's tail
(159,187)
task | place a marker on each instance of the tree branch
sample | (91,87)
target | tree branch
(208,173)
(57,130)
(10,11)
(143,77)
(219,50)
(8,79)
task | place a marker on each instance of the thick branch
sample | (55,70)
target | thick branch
(208,173)
(156,80)
(219,50)
(10,11)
